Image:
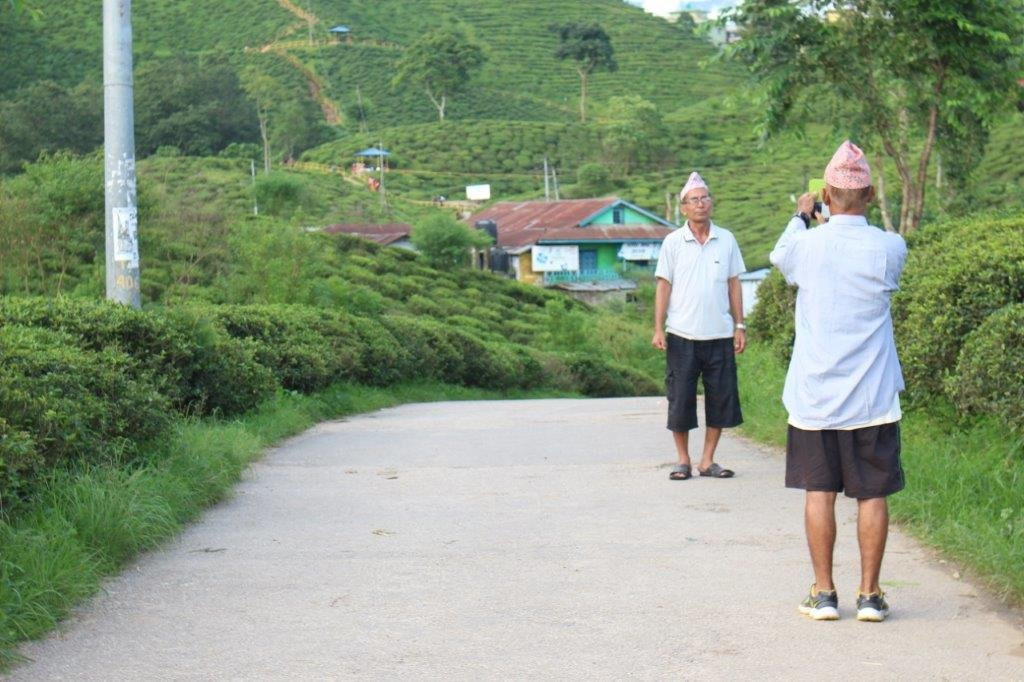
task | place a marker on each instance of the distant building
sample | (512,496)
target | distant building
(573,244)
(385,234)
(341,33)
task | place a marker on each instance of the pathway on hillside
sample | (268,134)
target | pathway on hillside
(515,540)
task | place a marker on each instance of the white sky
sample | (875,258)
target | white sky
(664,7)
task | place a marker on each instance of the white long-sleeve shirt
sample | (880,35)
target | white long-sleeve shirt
(844,372)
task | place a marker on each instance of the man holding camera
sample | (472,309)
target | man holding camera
(842,387)
(698,291)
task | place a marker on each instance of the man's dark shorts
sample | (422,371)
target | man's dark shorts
(714,361)
(863,463)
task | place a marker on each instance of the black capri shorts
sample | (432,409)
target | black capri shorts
(862,463)
(714,362)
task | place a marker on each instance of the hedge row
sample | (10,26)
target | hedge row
(958,316)
(87,381)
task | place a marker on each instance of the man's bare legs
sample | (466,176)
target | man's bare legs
(872,532)
(711,436)
(820,524)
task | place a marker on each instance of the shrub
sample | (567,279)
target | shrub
(601,379)
(192,360)
(445,242)
(989,376)
(278,194)
(772,319)
(74,404)
(950,285)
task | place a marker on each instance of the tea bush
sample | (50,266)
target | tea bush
(193,362)
(772,319)
(951,284)
(62,404)
(989,376)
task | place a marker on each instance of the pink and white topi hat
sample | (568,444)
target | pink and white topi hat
(848,168)
(695,181)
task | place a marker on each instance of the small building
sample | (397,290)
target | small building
(573,241)
(341,33)
(749,282)
(385,234)
(370,160)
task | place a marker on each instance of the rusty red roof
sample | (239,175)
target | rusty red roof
(521,223)
(382,233)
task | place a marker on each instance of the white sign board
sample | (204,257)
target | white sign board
(478,192)
(126,235)
(556,258)
(639,251)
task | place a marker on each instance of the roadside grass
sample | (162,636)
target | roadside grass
(965,477)
(89,521)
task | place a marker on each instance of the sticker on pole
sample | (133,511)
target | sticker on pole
(126,235)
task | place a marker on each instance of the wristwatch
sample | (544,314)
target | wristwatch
(742,326)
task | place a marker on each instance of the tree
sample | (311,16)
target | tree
(634,132)
(445,242)
(265,91)
(590,47)
(904,79)
(359,111)
(195,105)
(592,180)
(46,117)
(441,62)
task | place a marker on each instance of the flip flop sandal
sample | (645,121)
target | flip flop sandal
(716,471)
(680,472)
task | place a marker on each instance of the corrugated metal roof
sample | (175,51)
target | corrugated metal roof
(382,233)
(521,223)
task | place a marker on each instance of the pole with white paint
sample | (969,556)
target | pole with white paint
(122,253)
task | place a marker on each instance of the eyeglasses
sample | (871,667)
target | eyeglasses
(697,201)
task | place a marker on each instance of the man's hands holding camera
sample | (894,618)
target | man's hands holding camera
(809,208)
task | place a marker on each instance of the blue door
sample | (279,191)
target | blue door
(588,260)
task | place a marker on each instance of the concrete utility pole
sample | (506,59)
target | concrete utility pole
(119,155)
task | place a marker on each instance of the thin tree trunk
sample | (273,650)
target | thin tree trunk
(883,202)
(266,141)
(438,104)
(583,95)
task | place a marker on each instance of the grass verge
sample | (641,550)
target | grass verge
(89,521)
(965,478)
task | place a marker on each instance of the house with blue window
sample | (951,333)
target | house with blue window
(582,242)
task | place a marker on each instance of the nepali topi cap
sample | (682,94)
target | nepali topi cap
(848,168)
(695,181)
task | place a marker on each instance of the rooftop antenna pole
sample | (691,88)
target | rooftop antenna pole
(554,179)
(547,191)
(122,240)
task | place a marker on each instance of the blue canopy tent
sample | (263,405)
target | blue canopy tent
(373,155)
(341,32)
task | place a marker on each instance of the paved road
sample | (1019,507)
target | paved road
(515,540)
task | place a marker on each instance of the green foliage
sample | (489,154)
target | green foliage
(593,180)
(46,117)
(196,106)
(440,62)
(51,225)
(445,242)
(989,375)
(589,46)
(634,133)
(279,194)
(903,79)
(74,405)
(772,319)
(949,286)
(194,363)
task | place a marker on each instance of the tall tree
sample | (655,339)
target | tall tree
(441,62)
(633,132)
(265,91)
(590,47)
(905,78)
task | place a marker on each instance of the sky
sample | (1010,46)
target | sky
(663,7)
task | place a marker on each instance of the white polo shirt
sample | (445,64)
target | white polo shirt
(844,372)
(698,307)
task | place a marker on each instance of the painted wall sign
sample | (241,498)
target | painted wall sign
(556,258)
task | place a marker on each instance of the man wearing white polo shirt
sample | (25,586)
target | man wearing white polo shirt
(844,379)
(698,321)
